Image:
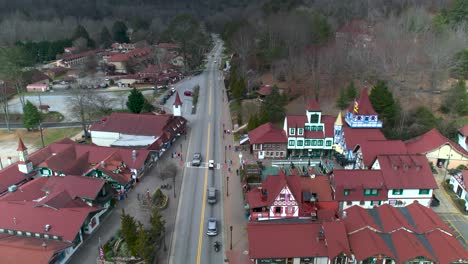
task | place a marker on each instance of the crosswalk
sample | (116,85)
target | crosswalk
(203,165)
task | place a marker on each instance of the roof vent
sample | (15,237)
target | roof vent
(345,214)
(134,153)
(44,244)
(103,164)
(418,167)
(47,228)
(14,220)
(395,167)
(406,167)
(12,188)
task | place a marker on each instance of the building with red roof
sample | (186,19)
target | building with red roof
(463,137)
(71,60)
(138,131)
(438,149)
(268,141)
(119,60)
(265,90)
(459,181)
(167,46)
(361,114)
(394,179)
(289,196)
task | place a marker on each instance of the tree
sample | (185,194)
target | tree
(143,245)
(80,32)
(31,116)
(105,38)
(459,68)
(136,101)
(351,92)
(253,123)
(167,170)
(456,100)
(238,88)
(156,224)
(128,226)
(119,32)
(342,101)
(272,109)
(86,105)
(384,104)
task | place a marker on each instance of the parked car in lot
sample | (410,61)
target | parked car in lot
(196,160)
(212,229)
(188,93)
(211,195)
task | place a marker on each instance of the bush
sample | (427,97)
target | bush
(124,251)
(450,186)
(462,203)
(108,255)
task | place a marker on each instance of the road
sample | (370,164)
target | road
(190,244)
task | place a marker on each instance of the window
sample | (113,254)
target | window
(397,191)
(349,203)
(300,131)
(319,128)
(314,142)
(371,192)
(19,233)
(292,131)
(278,210)
(277,154)
(424,191)
(314,118)
(291,142)
(329,143)
(281,154)
(346,192)
(320,142)
(281,196)
(37,235)
(307,142)
(28,234)
(300,143)
(290,209)
(375,203)
(307,128)
(366,119)
(362,202)
(2,230)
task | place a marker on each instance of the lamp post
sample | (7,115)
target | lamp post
(42,136)
(225,150)
(231,237)
(227,186)
(180,151)
(240,159)
(164,234)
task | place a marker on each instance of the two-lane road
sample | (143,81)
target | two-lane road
(190,244)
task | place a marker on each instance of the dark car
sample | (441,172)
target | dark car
(188,93)
(163,101)
(196,161)
(166,97)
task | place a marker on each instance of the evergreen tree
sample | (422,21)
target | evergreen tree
(239,88)
(384,104)
(239,118)
(129,232)
(351,92)
(136,101)
(143,245)
(456,100)
(342,101)
(253,123)
(119,32)
(157,223)
(80,32)
(105,37)
(31,116)
(272,109)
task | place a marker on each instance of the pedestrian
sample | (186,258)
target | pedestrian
(237,172)
(230,161)
(147,193)
(126,195)
(229,147)
(172,155)
(138,196)
(224,131)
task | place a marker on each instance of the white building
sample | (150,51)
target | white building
(460,184)
(463,137)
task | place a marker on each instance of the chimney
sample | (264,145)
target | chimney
(9,161)
(418,167)
(103,164)
(14,220)
(345,214)
(134,153)
(47,228)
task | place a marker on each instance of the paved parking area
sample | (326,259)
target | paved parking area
(458,223)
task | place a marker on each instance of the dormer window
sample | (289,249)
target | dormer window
(300,131)
(292,131)
(371,192)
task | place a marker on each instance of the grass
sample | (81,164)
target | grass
(50,135)
(462,121)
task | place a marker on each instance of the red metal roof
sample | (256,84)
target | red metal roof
(371,148)
(356,136)
(313,105)
(267,133)
(27,250)
(21,146)
(27,216)
(367,243)
(355,181)
(281,240)
(409,247)
(296,121)
(464,130)
(134,124)
(11,176)
(425,219)
(447,248)
(365,106)
(265,90)
(406,171)
(358,218)
(391,219)
(431,141)
(121,57)
(177,100)
(329,122)
(337,240)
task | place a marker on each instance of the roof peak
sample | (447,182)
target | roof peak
(21,146)
(177,100)
(313,105)
(339,119)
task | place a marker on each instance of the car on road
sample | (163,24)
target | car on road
(212,229)
(173,89)
(188,93)
(211,164)
(166,97)
(196,160)
(163,101)
(211,194)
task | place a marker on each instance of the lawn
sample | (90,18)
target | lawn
(50,135)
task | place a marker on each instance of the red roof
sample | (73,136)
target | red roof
(121,57)
(391,219)
(356,136)
(329,122)
(267,133)
(409,247)
(425,219)
(265,90)
(464,130)
(355,181)
(21,146)
(431,141)
(11,176)
(371,148)
(282,240)
(164,45)
(367,243)
(27,250)
(337,240)
(177,100)
(44,107)
(134,124)
(406,171)
(364,104)
(29,216)
(447,248)
(358,218)
(296,121)
(313,106)
(80,55)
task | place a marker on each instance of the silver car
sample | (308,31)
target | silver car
(211,193)
(212,227)
(196,160)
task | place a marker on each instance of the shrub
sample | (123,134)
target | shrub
(462,202)
(108,255)
(450,186)
(124,251)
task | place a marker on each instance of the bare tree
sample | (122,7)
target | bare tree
(167,170)
(4,103)
(243,45)
(86,105)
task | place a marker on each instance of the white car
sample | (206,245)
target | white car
(211,164)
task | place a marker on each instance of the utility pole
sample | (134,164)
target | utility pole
(227,186)
(42,136)
(231,237)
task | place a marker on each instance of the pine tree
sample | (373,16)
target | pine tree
(129,231)
(253,122)
(351,92)
(105,37)
(80,32)
(31,116)
(143,245)
(384,104)
(136,101)
(157,223)
(342,101)
(272,109)
(119,32)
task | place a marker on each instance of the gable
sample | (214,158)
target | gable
(285,197)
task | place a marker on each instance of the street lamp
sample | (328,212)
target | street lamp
(231,237)
(180,151)
(164,234)
(227,187)
(225,150)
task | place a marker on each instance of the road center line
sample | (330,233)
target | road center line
(203,202)
(209,99)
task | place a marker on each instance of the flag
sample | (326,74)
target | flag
(356,107)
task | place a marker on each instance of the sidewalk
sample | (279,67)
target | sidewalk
(234,212)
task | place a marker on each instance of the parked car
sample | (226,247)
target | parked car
(435,202)
(211,164)
(163,101)
(211,194)
(166,97)
(212,229)
(188,93)
(196,160)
